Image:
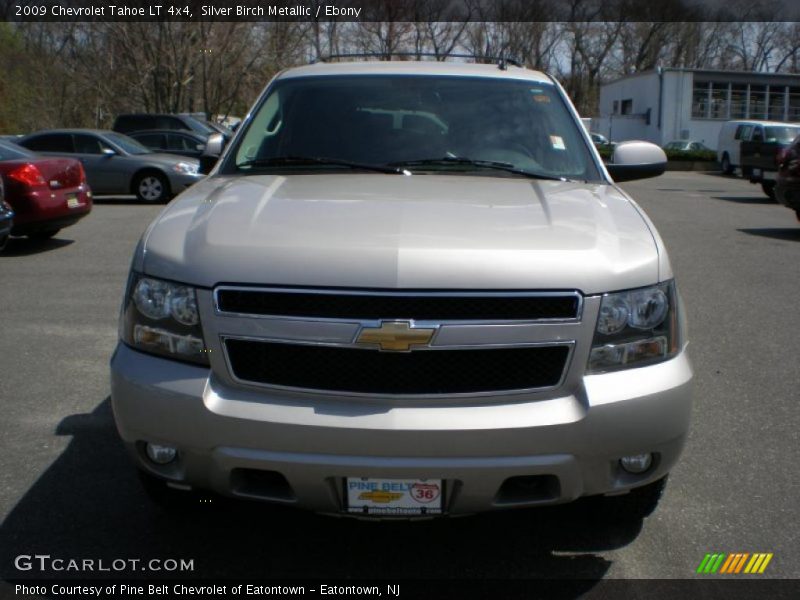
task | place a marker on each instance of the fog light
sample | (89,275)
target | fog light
(638,463)
(161,455)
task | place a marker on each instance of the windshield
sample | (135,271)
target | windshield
(781,134)
(416,121)
(128,144)
(219,128)
(198,126)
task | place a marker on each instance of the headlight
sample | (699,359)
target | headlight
(636,328)
(186,168)
(161,317)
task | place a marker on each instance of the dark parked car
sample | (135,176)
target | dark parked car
(129,123)
(761,149)
(117,164)
(183,143)
(226,132)
(46,194)
(787,183)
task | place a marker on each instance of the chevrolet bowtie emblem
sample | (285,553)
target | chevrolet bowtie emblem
(396,336)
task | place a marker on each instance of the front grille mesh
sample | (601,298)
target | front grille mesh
(422,306)
(343,369)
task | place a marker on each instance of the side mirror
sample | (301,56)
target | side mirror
(212,152)
(108,152)
(636,160)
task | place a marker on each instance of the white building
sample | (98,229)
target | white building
(691,104)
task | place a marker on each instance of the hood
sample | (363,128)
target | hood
(168,159)
(391,231)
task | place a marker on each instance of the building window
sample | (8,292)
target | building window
(739,101)
(777,102)
(700,104)
(627,107)
(719,101)
(710,100)
(794,105)
(714,100)
(758,98)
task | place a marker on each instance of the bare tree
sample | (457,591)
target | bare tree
(750,47)
(323,35)
(383,38)
(438,29)
(788,48)
(83,74)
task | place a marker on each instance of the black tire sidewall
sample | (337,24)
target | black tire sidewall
(165,194)
(726,164)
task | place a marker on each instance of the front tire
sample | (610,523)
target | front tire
(727,168)
(151,187)
(769,189)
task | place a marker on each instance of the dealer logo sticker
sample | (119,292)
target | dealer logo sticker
(380,496)
(425,492)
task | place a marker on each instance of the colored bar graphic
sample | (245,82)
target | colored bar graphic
(740,564)
(728,563)
(731,565)
(754,563)
(717,563)
(703,563)
(764,564)
(734,563)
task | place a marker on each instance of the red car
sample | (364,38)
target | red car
(787,185)
(46,193)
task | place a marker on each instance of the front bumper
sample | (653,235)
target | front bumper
(226,434)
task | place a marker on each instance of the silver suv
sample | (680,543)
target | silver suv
(407,289)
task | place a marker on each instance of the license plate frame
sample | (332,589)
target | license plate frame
(394,497)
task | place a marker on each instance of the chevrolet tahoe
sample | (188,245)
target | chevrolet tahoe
(407,289)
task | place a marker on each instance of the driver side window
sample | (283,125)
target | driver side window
(88,144)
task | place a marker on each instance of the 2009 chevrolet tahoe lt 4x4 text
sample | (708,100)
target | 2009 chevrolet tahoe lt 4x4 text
(407,289)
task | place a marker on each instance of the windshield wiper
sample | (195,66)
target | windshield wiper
(282,161)
(472,162)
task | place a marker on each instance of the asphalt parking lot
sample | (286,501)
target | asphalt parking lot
(68,490)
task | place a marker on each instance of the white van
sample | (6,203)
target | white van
(730,137)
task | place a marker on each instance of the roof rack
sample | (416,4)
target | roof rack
(502,60)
